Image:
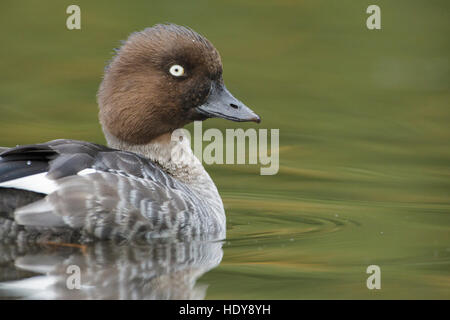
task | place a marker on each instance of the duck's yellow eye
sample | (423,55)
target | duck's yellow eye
(176,70)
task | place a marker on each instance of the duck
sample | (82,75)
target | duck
(144,184)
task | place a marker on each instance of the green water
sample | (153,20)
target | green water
(363,115)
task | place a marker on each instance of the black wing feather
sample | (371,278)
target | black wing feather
(10,170)
(60,158)
(24,161)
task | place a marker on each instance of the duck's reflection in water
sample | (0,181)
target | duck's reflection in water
(160,270)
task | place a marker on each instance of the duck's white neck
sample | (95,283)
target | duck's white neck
(175,156)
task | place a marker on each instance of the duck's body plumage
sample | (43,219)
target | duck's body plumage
(104,193)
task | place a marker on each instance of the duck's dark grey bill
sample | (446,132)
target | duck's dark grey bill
(222,104)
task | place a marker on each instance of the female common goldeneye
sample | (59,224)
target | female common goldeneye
(145,184)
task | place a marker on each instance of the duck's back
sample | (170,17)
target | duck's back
(98,192)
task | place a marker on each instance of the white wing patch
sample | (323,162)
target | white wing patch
(36,182)
(39,182)
(87,171)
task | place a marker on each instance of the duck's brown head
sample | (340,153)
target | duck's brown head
(161,79)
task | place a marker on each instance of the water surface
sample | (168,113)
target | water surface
(364,142)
